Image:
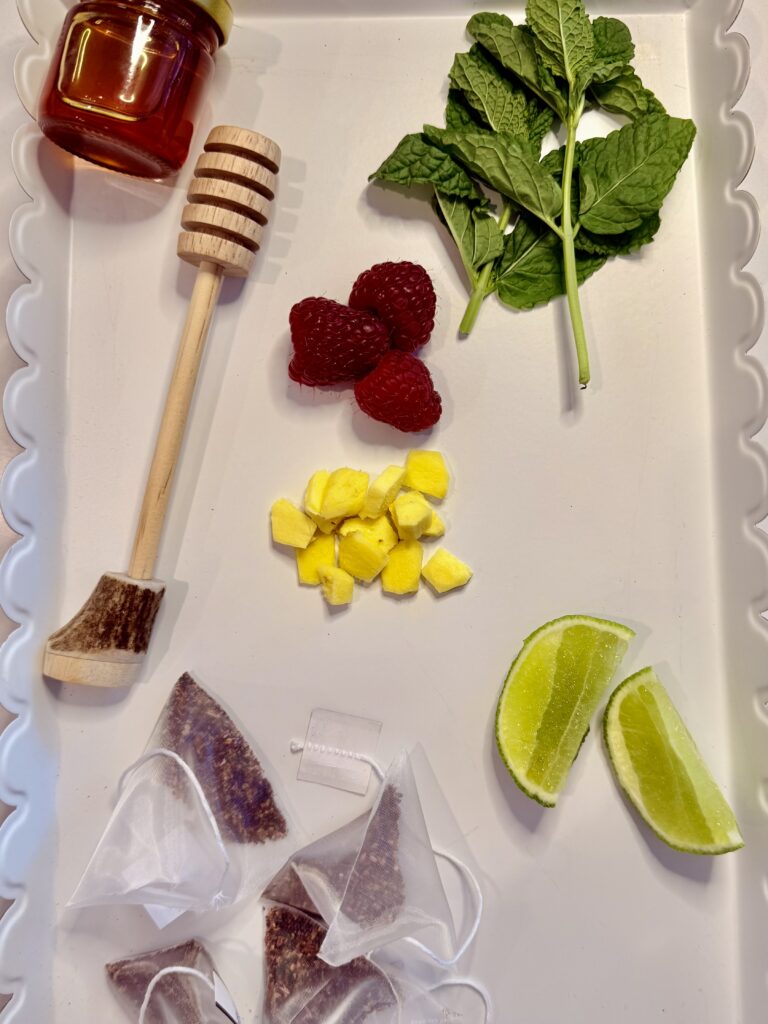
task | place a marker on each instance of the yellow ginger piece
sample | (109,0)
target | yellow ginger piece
(402,572)
(362,557)
(313,499)
(338,585)
(344,494)
(427,472)
(320,552)
(382,492)
(289,525)
(313,495)
(412,514)
(327,526)
(436,527)
(380,530)
(445,572)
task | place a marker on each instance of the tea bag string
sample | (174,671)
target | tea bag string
(476,987)
(297,747)
(191,971)
(481,990)
(321,748)
(208,810)
(474,886)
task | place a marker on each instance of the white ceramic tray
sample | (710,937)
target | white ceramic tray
(636,500)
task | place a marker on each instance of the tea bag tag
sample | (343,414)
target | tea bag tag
(224,1001)
(161,916)
(337,750)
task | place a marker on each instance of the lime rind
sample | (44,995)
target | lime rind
(662,772)
(543,716)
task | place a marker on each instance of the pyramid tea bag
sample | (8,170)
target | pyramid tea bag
(315,878)
(375,880)
(198,824)
(177,985)
(394,888)
(301,989)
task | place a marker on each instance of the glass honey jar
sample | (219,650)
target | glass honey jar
(127,78)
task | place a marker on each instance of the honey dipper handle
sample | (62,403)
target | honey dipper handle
(171,433)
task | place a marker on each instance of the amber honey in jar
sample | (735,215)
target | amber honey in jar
(127,78)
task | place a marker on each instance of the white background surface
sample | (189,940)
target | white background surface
(753,23)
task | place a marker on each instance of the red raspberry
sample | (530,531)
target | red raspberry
(400,392)
(403,296)
(333,343)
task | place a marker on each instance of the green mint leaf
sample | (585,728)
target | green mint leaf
(475,231)
(531,270)
(626,95)
(458,113)
(564,40)
(507,163)
(618,245)
(655,106)
(488,91)
(625,177)
(417,161)
(540,121)
(554,162)
(514,48)
(489,24)
(614,48)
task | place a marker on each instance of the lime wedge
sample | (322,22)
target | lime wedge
(662,772)
(550,695)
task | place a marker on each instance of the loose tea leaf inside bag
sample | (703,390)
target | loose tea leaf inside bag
(375,880)
(315,878)
(302,989)
(176,985)
(198,824)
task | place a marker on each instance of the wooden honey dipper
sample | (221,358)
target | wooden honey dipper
(228,205)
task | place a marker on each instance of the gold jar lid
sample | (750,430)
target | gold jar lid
(220,11)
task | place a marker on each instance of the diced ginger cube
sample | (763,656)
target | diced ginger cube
(344,494)
(412,514)
(320,552)
(313,495)
(379,529)
(445,572)
(324,525)
(289,525)
(338,585)
(313,500)
(402,572)
(427,472)
(382,492)
(436,527)
(362,557)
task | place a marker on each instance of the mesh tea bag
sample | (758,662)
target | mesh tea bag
(197,825)
(375,880)
(301,989)
(177,985)
(315,877)
(394,888)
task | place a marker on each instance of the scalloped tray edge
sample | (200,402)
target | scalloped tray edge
(19,655)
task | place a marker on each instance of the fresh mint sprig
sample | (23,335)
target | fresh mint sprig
(576,207)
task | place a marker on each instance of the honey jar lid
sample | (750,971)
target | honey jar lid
(220,11)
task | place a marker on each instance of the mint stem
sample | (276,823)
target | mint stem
(482,288)
(476,300)
(569,254)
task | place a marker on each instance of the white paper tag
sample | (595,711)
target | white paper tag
(162,916)
(333,749)
(224,1001)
